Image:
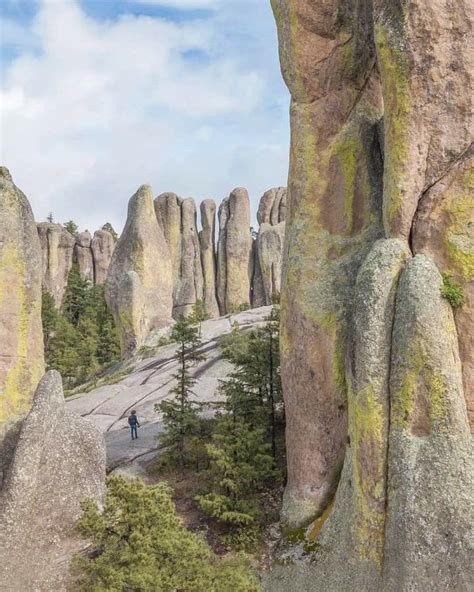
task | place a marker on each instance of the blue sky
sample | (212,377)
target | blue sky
(100,96)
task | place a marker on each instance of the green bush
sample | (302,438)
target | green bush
(140,545)
(452,292)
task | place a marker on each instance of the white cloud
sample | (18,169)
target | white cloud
(182,4)
(99,107)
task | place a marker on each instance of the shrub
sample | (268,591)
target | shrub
(452,292)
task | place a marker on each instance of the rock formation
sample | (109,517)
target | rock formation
(335,189)
(21,334)
(102,246)
(142,249)
(234,252)
(58,462)
(83,256)
(207,240)
(270,243)
(272,207)
(57,246)
(178,220)
(379,336)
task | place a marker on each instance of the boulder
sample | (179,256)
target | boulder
(334,217)
(141,248)
(57,246)
(21,334)
(58,462)
(102,246)
(207,240)
(83,256)
(234,258)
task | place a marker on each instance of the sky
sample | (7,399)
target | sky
(98,97)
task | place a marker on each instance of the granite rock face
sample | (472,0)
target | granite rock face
(83,256)
(57,246)
(102,246)
(333,217)
(402,515)
(270,243)
(272,207)
(142,249)
(178,220)
(59,461)
(21,334)
(207,240)
(234,254)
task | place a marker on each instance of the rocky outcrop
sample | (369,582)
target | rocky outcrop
(402,515)
(207,240)
(21,334)
(58,462)
(272,207)
(102,246)
(334,215)
(270,243)
(178,220)
(83,256)
(142,249)
(234,253)
(57,247)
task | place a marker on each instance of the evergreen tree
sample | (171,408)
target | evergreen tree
(140,545)
(50,218)
(49,317)
(71,227)
(109,228)
(76,297)
(180,414)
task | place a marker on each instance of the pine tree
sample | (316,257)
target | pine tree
(71,227)
(76,298)
(181,413)
(140,544)
(109,228)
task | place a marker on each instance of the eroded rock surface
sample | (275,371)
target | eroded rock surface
(59,461)
(272,207)
(57,246)
(21,334)
(83,256)
(333,217)
(102,246)
(207,239)
(142,249)
(270,244)
(234,254)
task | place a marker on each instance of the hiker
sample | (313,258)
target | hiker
(134,424)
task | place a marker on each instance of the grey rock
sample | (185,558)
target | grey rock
(234,255)
(207,239)
(102,246)
(429,535)
(57,246)
(270,244)
(272,207)
(59,461)
(83,256)
(142,249)
(21,333)
(257,289)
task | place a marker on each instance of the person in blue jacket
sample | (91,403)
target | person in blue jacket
(134,424)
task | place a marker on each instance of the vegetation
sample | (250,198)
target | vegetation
(81,338)
(236,458)
(140,545)
(452,292)
(109,228)
(71,227)
(181,413)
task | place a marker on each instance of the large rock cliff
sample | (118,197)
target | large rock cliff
(377,384)
(141,249)
(21,334)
